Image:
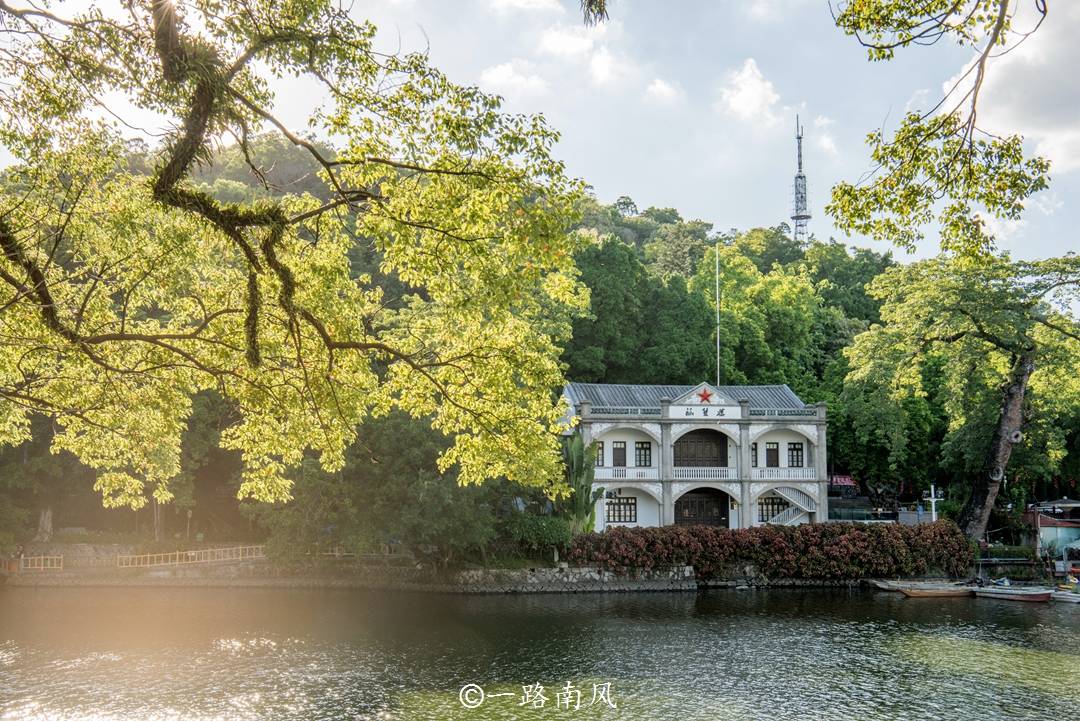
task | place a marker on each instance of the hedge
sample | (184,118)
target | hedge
(817,550)
(1025,552)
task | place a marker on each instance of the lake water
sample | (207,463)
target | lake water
(193,654)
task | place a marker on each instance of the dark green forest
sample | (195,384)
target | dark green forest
(788,312)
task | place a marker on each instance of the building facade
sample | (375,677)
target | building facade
(731,456)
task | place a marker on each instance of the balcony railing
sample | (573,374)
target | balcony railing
(705,473)
(783,474)
(623,411)
(784,412)
(623,473)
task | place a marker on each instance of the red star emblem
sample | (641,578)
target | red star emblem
(705,395)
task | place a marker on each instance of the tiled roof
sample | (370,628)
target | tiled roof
(617,394)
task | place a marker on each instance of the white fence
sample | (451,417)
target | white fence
(41,563)
(705,473)
(622,473)
(783,474)
(204,555)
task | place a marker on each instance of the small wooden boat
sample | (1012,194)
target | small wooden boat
(1008,593)
(935,591)
(885,585)
(1066,596)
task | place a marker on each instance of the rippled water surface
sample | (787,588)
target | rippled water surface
(193,654)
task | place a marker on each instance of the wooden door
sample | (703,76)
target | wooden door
(705,506)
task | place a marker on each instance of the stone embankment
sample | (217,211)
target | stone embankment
(88,565)
(263,574)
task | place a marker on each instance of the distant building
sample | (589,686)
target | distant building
(731,456)
(1056,523)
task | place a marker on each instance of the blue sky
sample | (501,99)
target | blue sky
(692,104)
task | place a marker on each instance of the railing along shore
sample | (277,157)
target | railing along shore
(202,555)
(41,563)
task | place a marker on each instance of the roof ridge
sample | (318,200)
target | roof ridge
(651,395)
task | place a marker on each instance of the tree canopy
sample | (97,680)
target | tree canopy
(996,337)
(939,166)
(128,293)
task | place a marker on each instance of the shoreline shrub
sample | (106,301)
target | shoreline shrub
(810,551)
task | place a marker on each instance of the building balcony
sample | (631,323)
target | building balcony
(705,473)
(784,474)
(624,473)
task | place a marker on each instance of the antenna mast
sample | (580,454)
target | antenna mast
(800,213)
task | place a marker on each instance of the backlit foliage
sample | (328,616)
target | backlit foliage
(939,166)
(123,295)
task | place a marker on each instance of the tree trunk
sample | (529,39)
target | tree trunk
(45,525)
(157,520)
(976,513)
(45,528)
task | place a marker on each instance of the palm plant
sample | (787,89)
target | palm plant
(580,466)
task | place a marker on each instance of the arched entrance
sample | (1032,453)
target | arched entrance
(702,448)
(702,506)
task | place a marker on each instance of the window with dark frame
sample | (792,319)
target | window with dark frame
(643,454)
(599,453)
(618,454)
(753,455)
(772,455)
(795,455)
(770,506)
(620,509)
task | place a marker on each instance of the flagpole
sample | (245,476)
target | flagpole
(716,256)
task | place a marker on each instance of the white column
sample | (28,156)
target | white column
(584,426)
(746,517)
(821,466)
(667,466)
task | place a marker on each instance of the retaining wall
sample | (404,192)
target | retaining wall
(263,574)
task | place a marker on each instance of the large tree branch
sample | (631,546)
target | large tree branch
(1067,332)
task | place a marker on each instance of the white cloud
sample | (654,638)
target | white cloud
(661,92)
(507,6)
(1030,91)
(571,41)
(768,11)
(589,46)
(825,143)
(516,78)
(603,67)
(748,95)
(1060,145)
(1004,229)
(823,139)
(918,101)
(1047,203)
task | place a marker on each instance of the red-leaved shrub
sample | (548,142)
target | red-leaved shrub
(817,550)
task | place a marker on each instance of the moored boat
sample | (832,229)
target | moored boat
(929,591)
(1066,596)
(1007,593)
(884,585)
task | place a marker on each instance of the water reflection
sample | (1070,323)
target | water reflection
(767,654)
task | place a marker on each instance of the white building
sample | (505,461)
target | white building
(733,456)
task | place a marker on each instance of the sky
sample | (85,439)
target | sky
(692,105)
